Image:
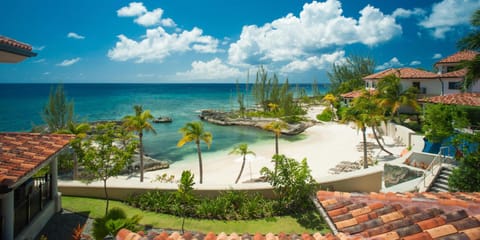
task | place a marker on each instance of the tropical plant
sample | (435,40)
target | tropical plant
(441,120)
(139,123)
(276,127)
(103,159)
(331,99)
(194,132)
(112,222)
(359,114)
(392,96)
(80,131)
(347,76)
(472,42)
(185,195)
(293,183)
(243,150)
(58,111)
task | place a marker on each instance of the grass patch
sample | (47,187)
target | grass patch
(95,208)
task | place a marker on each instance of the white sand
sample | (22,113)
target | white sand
(324,145)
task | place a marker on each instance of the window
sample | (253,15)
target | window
(416,85)
(455,85)
(451,68)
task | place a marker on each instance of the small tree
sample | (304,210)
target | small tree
(347,75)
(104,159)
(466,177)
(112,222)
(243,150)
(293,183)
(441,120)
(58,111)
(185,195)
(80,130)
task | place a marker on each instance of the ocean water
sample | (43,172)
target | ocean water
(21,106)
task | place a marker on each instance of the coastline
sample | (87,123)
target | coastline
(324,145)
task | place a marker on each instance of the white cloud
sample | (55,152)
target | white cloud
(393,63)
(133,9)
(323,62)
(68,62)
(211,70)
(150,18)
(46,73)
(75,35)
(41,60)
(405,13)
(447,14)
(39,48)
(320,25)
(145,75)
(437,56)
(415,63)
(157,44)
(168,22)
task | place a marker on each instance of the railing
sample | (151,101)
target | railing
(30,199)
(436,162)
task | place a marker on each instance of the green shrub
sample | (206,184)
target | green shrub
(115,220)
(326,115)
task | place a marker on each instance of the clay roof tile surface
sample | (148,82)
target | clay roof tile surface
(467,99)
(403,73)
(458,57)
(21,153)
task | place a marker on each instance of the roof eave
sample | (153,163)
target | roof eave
(17,51)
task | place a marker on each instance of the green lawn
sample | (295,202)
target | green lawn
(95,208)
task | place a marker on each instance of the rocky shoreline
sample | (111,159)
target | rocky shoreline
(222,118)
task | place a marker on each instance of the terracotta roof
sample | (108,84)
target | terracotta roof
(14,43)
(404,215)
(23,152)
(467,99)
(355,94)
(458,57)
(403,73)
(454,74)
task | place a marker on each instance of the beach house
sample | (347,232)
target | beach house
(447,80)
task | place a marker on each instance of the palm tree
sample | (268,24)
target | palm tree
(392,96)
(472,42)
(331,99)
(194,132)
(276,127)
(359,114)
(243,150)
(139,123)
(80,131)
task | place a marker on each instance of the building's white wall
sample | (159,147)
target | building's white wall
(476,87)
(432,86)
(446,82)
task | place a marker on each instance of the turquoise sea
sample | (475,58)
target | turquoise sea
(21,105)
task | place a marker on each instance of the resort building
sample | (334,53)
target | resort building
(13,51)
(447,80)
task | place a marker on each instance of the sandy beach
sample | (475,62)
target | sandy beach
(323,145)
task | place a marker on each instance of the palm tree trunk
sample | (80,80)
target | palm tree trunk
(106,195)
(276,152)
(241,169)
(378,142)
(200,165)
(365,158)
(140,135)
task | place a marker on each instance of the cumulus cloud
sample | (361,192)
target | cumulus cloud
(323,62)
(133,9)
(437,56)
(448,14)
(319,26)
(405,13)
(157,44)
(75,35)
(415,63)
(393,63)
(68,62)
(144,17)
(150,18)
(211,70)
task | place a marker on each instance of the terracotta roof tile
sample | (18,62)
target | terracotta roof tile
(454,74)
(458,57)
(403,73)
(23,152)
(467,99)
(14,43)
(356,93)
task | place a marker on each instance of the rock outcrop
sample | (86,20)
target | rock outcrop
(223,118)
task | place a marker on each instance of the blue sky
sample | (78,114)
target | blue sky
(179,41)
